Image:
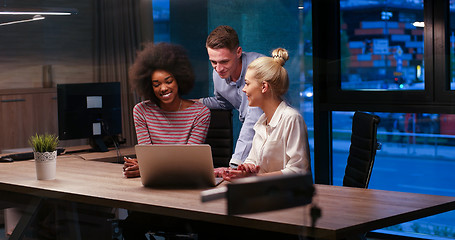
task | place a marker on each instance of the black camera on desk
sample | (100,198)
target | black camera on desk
(260,194)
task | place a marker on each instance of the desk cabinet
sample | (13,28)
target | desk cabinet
(24,113)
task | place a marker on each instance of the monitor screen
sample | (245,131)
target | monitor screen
(89,110)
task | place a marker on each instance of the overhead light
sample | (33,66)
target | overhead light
(418,24)
(35,18)
(38,11)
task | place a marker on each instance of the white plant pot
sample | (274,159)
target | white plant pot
(46,165)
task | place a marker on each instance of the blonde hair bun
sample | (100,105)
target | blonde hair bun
(280,55)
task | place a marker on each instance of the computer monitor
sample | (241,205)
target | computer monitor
(89,110)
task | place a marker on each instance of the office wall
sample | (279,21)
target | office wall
(263,25)
(188,27)
(64,42)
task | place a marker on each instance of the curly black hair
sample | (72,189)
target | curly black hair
(169,57)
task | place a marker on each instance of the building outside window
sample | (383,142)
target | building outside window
(382,49)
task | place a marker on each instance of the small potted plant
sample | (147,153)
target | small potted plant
(45,152)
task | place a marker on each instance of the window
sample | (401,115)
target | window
(452,44)
(416,109)
(382,45)
(161,31)
(416,156)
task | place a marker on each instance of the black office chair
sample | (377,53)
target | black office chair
(362,151)
(220,137)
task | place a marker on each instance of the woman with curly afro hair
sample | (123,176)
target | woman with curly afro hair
(161,74)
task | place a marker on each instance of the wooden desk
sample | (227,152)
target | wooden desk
(345,211)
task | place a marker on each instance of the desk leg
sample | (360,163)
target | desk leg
(66,219)
(11,218)
(27,217)
(70,229)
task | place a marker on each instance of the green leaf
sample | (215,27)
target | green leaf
(44,142)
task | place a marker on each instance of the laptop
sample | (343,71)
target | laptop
(176,166)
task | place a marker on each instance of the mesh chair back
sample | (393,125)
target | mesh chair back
(362,151)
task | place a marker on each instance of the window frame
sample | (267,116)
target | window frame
(328,95)
(337,97)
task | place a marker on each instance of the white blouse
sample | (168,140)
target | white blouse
(282,144)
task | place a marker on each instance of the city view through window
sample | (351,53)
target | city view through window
(382,45)
(382,48)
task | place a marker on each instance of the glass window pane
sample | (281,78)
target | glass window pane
(265,25)
(452,44)
(161,26)
(382,45)
(416,156)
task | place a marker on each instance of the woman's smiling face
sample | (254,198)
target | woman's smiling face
(164,86)
(253,89)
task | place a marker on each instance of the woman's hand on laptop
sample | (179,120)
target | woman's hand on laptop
(249,168)
(243,170)
(130,167)
(219,171)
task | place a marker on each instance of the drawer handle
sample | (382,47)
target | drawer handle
(14,100)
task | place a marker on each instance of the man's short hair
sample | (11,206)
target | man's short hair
(223,37)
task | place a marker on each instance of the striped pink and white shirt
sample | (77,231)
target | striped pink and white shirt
(156,126)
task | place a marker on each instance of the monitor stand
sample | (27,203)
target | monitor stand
(97,143)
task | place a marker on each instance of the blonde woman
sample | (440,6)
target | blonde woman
(280,144)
